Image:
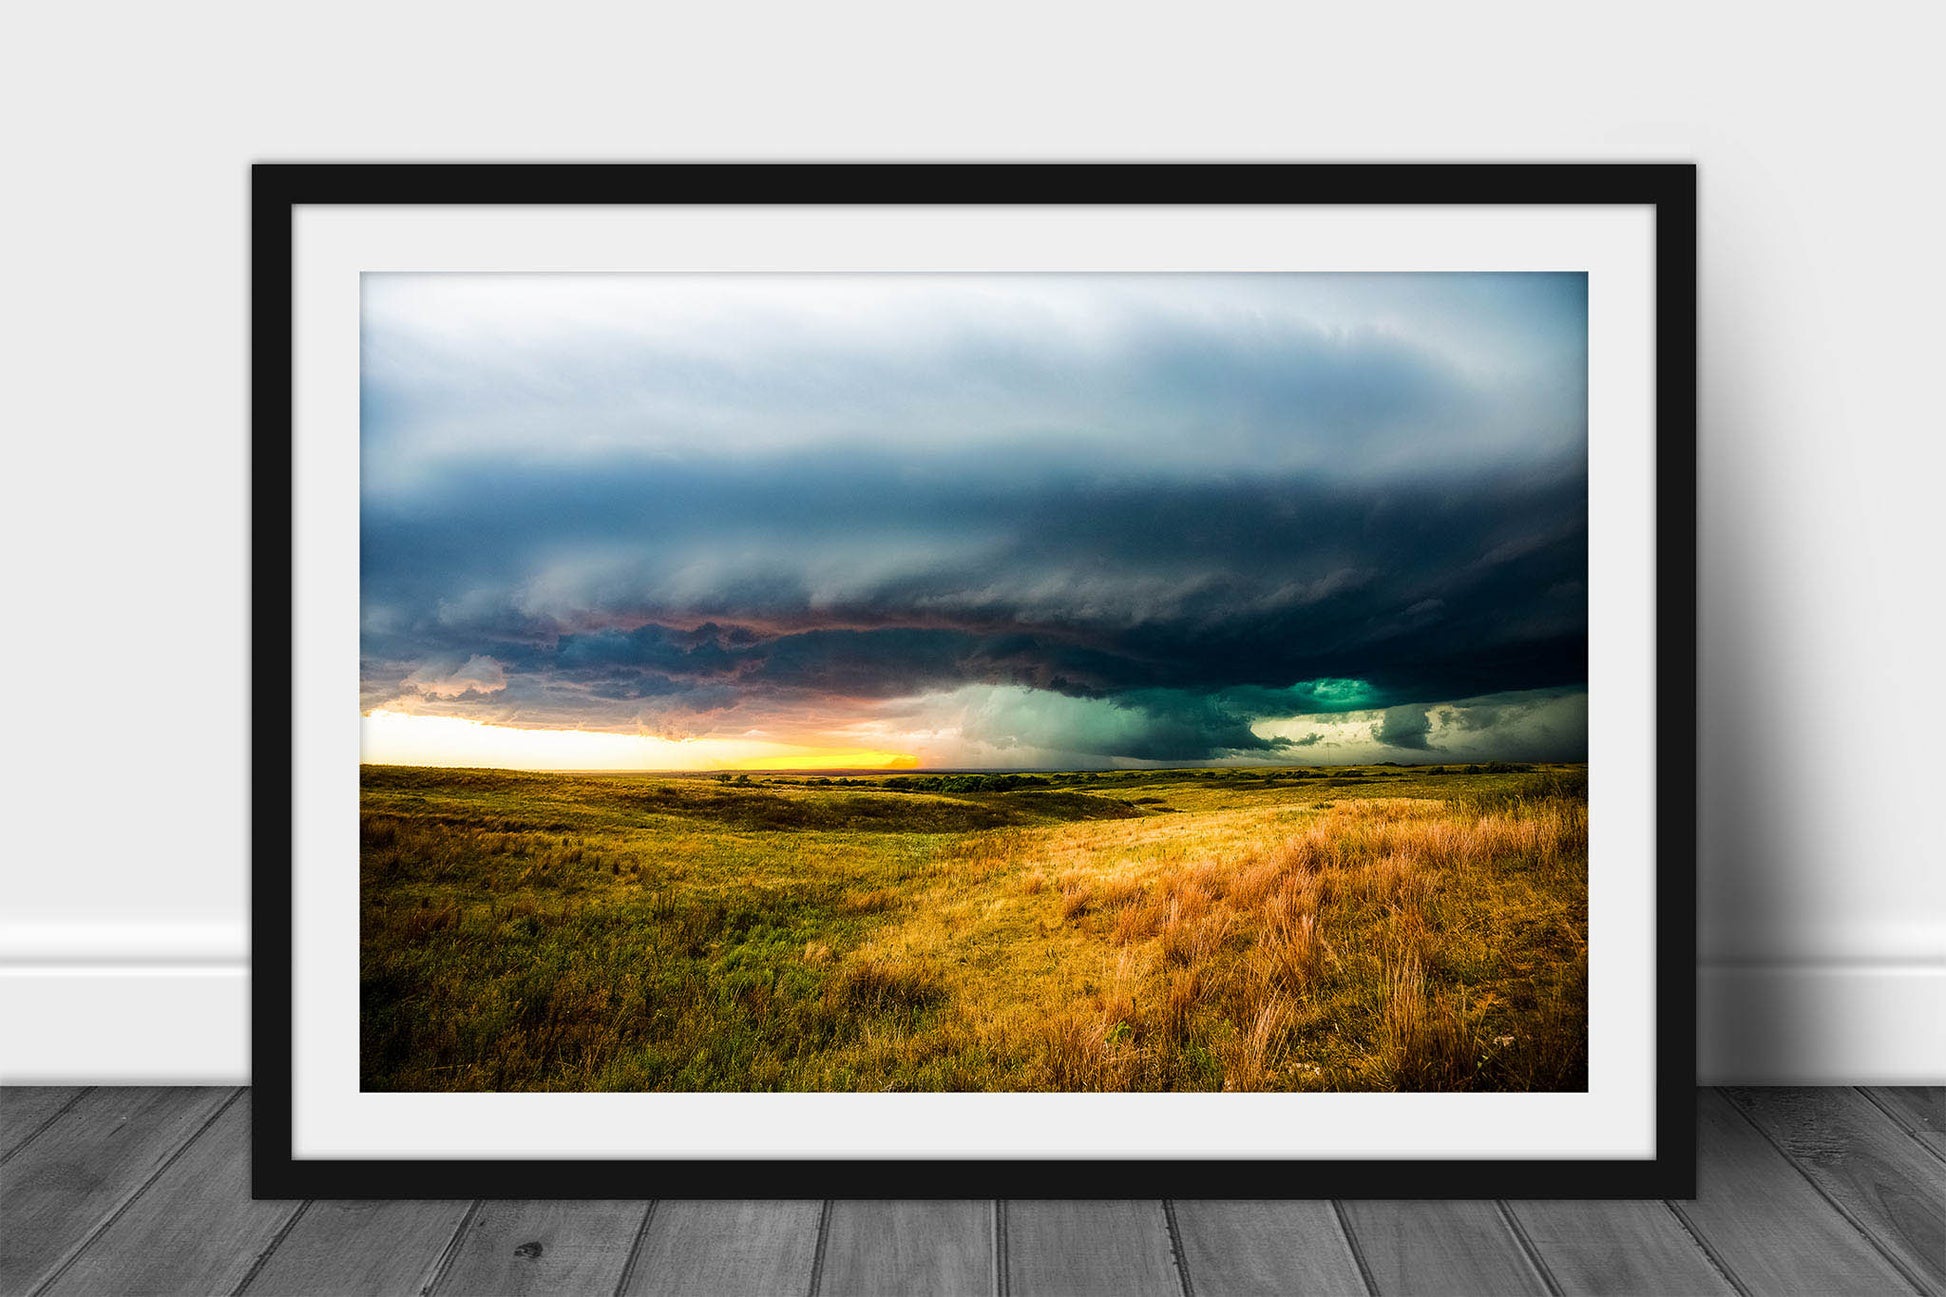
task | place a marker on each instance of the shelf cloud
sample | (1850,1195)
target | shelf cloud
(985,520)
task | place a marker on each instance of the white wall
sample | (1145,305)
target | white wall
(122,919)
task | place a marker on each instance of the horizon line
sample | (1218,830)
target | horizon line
(901,771)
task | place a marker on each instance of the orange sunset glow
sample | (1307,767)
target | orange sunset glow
(402,738)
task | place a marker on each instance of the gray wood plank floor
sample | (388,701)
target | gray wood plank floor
(145,1191)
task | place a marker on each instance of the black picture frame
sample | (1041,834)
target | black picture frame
(277,189)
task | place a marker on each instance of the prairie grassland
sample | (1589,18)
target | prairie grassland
(1178,930)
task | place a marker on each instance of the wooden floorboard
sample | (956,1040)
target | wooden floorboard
(90,1161)
(194,1230)
(119,1190)
(25,1109)
(1873,1171)
(1239,1248)
(360,1248)
(547,1249)
(1921,1110)
(1089,1249)
(1616,1247)
(1453,1248)
(755,1249)
(891,1248)
(1767,1225)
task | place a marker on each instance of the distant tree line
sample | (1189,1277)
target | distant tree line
(967,783)
(1005,783)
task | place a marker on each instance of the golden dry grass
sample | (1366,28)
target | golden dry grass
(1380,943)
(1419,933)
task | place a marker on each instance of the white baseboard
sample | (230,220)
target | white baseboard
(113,942)
(172,1019)
(157,1024)
(163,1001)
(1821,1024)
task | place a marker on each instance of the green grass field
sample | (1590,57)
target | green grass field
(1335,929)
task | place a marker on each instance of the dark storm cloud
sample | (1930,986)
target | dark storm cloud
(1189,521)
(1419,592)
(1405,726)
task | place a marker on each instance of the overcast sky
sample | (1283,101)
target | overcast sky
(994,521)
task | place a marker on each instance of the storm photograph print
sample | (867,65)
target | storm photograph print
(973,682)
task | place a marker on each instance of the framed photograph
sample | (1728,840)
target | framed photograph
(1014,681)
